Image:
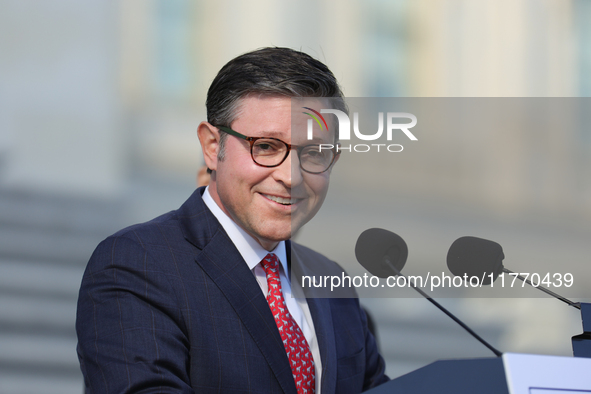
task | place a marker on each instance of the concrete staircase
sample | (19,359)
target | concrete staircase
(45,243)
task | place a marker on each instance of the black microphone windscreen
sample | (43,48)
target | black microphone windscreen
(376,247)
(473,256)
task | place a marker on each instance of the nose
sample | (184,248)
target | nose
(289,172)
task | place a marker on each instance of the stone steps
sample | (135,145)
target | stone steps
(45,242)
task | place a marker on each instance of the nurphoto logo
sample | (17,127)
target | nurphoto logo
(392,126)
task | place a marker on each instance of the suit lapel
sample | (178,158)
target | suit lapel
(224,265)
(322,317)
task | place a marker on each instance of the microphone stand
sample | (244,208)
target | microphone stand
(582,342)
(553,294)
(438,305)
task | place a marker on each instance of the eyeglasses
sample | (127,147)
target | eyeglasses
(271,152)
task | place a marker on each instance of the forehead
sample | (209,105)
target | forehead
(275,116)
(263,113)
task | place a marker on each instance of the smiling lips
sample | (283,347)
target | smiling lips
(281,200)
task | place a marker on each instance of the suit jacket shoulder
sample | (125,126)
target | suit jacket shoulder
(314,272)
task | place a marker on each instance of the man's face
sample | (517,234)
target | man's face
(268,203)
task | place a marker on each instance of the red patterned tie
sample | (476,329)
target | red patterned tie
(298,351)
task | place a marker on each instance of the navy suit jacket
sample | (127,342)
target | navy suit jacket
(170,306)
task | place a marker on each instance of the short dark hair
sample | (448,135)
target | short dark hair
(270,71)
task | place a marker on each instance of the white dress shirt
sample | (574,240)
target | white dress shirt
(253,253)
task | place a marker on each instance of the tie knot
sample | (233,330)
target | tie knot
(271,264)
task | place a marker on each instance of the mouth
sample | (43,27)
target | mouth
(282,200)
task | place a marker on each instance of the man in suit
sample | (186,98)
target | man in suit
(200,299)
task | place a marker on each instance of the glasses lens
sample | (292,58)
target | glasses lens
(315,159)
(268,152)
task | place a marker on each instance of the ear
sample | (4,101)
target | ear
(209,137)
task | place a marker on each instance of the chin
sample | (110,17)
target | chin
(278,236)
(281,237)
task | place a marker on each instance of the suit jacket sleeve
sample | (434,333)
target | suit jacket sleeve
(375,371)
(129,324)
(359,366)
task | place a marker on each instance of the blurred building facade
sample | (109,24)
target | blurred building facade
(119,88)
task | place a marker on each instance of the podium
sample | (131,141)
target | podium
(582,343)
(510,374)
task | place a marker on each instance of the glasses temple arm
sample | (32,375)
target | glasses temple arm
(232,132)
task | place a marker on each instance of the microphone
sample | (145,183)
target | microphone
(479,257)
(466,250)
(384,254)
(381,252)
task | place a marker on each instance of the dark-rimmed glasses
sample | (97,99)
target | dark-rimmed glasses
(271,152)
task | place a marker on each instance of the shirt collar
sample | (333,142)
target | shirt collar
(252,252)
